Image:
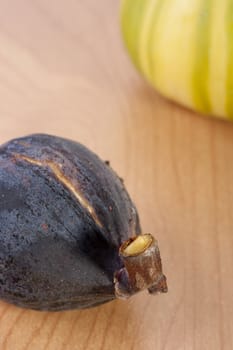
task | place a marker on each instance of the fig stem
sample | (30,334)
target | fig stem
(142,267)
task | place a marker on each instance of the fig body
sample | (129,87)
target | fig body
(64,213)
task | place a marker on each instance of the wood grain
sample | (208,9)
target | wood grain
(64,71)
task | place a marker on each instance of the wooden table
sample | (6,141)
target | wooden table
(64,71)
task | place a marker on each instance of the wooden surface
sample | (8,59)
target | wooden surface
(64,71)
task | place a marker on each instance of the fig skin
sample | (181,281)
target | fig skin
(64,213)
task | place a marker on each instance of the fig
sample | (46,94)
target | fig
(184,49)
(70,235)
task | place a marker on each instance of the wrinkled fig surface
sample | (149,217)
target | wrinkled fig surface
(65,218)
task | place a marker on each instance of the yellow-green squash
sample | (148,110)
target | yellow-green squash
(185,49)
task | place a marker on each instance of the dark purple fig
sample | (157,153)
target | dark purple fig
(69,233)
